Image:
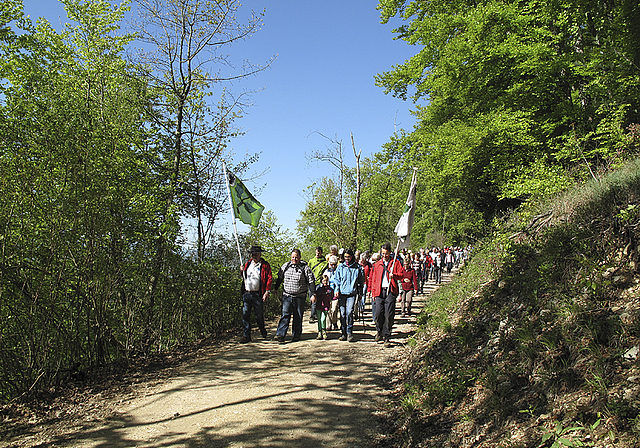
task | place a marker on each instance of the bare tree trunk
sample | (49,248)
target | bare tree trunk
(186,37)
(354,238)
(377,226)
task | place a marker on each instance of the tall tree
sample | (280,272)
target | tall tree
(188,40)
(322,223)
(356,205)
(344,185)
(76,200)
(381,199)
(518,95)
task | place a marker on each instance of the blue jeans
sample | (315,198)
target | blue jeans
(291,305)
(252,300)
(385,312)
(346,313)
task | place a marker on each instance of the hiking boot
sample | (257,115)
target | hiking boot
(343,338)
(350,338)
(378,337)
(279,338)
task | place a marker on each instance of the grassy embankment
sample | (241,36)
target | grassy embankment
(535,343)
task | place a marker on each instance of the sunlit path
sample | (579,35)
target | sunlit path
(264,394)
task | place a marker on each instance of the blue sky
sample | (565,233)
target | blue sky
(322,80)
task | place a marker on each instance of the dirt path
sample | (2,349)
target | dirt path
(260,394)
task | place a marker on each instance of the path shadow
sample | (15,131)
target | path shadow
(308,393)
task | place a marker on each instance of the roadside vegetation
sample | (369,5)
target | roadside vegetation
(526,142)
(536,342)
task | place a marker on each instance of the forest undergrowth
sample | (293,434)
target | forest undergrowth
(536,342)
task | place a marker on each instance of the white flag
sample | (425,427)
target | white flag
(403,229)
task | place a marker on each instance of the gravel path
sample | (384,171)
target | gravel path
(261,394)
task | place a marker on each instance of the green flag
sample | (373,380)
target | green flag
(245,207)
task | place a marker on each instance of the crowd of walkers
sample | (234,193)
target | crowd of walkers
(339,285)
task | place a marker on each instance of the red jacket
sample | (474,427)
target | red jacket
(428,261)
(375,277)
(366,267)
(266,278)
(410,274)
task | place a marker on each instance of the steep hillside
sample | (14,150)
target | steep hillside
(536,343)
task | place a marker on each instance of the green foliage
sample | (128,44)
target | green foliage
(536,325)
(445,300)
(569,436)
(383,195)
(561,437)
(92,269)
(323,221)
(276,241)
(514,101)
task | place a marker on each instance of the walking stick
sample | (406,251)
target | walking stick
(364,325)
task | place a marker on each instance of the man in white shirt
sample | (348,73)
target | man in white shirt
(256,286)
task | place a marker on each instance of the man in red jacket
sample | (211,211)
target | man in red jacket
(383,283)
(256,286)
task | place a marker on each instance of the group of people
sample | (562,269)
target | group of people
(338,284)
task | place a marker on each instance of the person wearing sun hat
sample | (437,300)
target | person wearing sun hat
(256,286)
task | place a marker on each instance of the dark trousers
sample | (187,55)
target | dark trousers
(385,312)
(253,300)
(312,315)
(291,306)
(437,274)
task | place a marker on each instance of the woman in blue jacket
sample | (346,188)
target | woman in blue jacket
(347,282)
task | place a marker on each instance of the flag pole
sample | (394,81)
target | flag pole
(233,215)
(409,220)
(395,255)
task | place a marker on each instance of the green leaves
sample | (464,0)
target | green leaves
(95,180)
(512,95)
(80,209)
